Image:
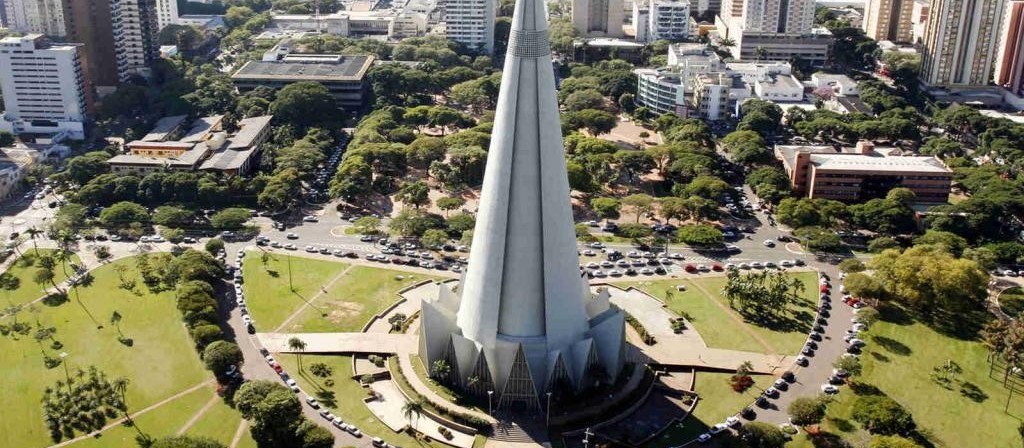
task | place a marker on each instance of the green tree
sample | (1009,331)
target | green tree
(929,280)
(805,411)
(214,245)
(230,218)
(606,207)
(641,204)
(848,363)
(305,104)
(450,203)
(818,239)
(122,214)
(882,415)
(699,235)
(892,442)
(851,265)
(416,194)
(762,435)
(434,238)
(367,225)
(171,216)
(221,355)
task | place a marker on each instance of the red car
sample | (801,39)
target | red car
(690,268)
(717,267)
(277,367)
(824,288)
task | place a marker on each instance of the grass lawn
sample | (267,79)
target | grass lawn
(899,359)
(351,301)
(1012,301)
(163,421)
(160,363)
(269,298)
(715,321)
(349,397)
(28,290)
(717,401)
(219,423)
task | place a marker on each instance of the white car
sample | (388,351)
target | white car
(829,389)
(312,403)
(247,320)
(675,256)
(310,218)
(600,274)
(732,421)
(769,243)
(292,385)
(717,428)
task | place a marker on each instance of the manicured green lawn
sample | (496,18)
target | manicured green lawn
(348,395)
(163,421)
(362,292)
(899,359)
(268,295)
(717,401)
(1012,301)
(717,323)
(159,364)
(219,423)
(28,290)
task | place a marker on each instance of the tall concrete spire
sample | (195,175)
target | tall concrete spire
(524,319)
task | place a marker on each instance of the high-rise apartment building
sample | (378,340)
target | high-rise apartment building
(1009,70)
(960,42)
(598,17)
(43,86)
(668,20)
(776,30)
(919,19)
(890,20)
(90,22)
(471,23)
(135,30)
(35,16)
(166,13)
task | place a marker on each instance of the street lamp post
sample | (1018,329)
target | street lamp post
(489,410)
(548,420)
(586,437)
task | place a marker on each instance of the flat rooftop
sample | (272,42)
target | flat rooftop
(248,130)
(344,68)
(163,127)
(827,158)
(186,159)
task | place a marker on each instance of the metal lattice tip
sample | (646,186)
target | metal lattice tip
(529,44)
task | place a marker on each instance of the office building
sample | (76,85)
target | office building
(814,48)
(35,16)
(523,321)
(1009,68)
(961,37)
(668,20)
(662,90)
(862,173)
(640,22)
(166,13)
(91,23)
(393,24)
(890,20)
(135,30)
(598,18)
(343,75)
(471,23)
(710,99)
(774,30)
(779,89)
(204,145)
(43,87)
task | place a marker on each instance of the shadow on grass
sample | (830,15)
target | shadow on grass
(880,357)
(892,346)
(842,424)
(972,392)
(827,440)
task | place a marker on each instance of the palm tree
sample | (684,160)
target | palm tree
(298,346)
(726,43)
(413,407)
(120,385)
(761,52)
(33,233)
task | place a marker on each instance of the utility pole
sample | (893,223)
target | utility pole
(63,360)
(290,286)
(490,411)
(548,421)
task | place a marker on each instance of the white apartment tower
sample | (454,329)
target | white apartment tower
(668,20)
(35,16)
(598,17)
(792,17)
(471,23)
(960,42)
(166,13)
(135,36)
(43,86)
